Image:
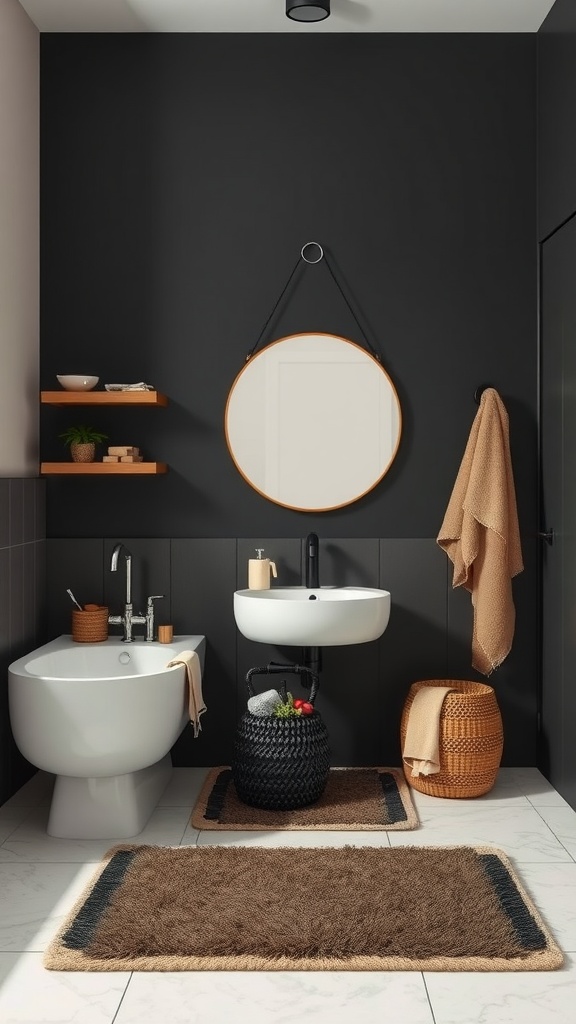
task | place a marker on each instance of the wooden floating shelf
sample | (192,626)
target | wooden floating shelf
(153,398)
(100,468)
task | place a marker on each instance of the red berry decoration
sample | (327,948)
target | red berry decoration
(307,708)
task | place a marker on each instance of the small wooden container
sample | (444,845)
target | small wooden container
(89,627)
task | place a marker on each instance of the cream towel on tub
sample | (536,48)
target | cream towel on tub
(480,533)
(196,705)
(421,750)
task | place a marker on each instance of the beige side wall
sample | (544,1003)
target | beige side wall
(19,241)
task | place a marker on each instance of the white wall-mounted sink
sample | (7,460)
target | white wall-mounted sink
(319,617)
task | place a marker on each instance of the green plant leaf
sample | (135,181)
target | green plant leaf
(82,434)
(287,709)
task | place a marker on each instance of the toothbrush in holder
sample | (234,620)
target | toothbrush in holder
(79,606)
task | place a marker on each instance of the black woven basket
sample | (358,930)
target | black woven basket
(281,763)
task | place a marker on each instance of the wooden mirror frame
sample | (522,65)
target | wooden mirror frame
(313,422)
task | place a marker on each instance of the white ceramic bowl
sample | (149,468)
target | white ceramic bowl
(77,381)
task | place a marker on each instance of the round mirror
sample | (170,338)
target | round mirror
(313,422)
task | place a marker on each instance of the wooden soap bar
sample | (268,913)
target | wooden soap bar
(110,458)
(131,458)
(123,450)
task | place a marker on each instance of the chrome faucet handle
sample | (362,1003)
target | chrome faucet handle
(150,615)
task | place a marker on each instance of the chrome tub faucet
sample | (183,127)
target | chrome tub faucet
(150,615)
(127,620)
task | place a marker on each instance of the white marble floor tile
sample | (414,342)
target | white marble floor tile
(504,796)
(518,830)
(165,827)
(38,790)
(506,785)
(10,822)
(553,890)
(510,775)
(276,998)
(190,836)
(562,821)
(542,997)
(536,787)
(29,994)
(523,773)
(31,842)
(183,788)
(35,899)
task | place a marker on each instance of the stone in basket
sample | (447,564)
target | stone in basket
(279,763)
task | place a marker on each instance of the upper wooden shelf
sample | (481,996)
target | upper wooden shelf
(103,398)
(101,468)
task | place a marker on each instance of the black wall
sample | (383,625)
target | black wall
(556,113)
(556,230)
(181,174)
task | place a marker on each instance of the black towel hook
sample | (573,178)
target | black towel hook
(479,391)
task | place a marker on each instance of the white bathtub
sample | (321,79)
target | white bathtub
(102,717)
(110,659)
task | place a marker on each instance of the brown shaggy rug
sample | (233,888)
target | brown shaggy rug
(238,908)
(354,798)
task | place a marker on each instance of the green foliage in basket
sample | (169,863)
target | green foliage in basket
(82,435)
(286,709)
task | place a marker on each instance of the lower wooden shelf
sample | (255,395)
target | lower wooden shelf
(95,468)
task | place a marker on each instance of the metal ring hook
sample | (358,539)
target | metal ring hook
(479,392)
(305,246)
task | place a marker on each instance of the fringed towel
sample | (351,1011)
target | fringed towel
(421,750)
(480,533)
(196,704)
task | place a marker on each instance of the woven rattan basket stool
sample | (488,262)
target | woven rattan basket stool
(280,764)
(471,740)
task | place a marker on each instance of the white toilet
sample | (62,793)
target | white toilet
(103,718)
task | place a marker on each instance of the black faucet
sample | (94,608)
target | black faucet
(312,558)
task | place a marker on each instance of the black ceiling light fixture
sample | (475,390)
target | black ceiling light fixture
(307,10)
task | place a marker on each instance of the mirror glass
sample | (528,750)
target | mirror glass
(313,422)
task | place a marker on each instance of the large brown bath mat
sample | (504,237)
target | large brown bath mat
(235,908)
(361,799)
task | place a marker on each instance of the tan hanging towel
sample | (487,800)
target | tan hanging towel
(421,750)
(196,705)
(480,533)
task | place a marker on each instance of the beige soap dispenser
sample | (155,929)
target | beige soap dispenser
(259,571)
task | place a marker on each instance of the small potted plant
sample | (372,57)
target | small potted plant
(82,441)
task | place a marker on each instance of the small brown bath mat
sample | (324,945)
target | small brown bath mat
(238,908)
(361,799)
